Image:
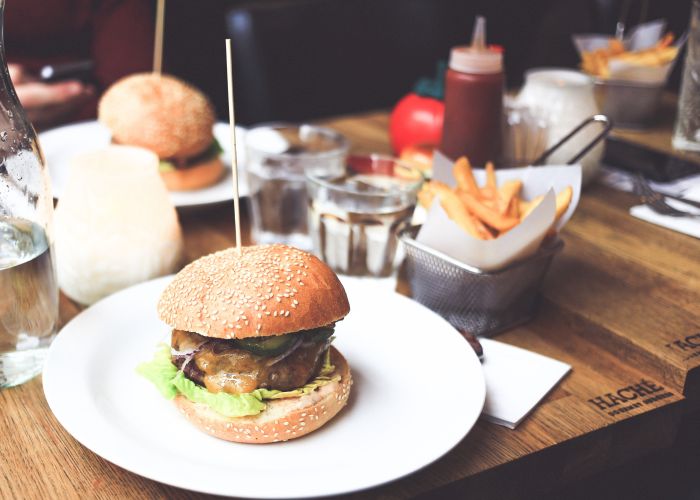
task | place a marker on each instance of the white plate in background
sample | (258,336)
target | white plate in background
(63,143)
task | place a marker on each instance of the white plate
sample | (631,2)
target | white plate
(61,144)
(418,390)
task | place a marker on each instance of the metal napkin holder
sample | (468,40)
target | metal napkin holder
(480,302)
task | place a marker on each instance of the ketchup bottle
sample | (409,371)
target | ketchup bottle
(474,100)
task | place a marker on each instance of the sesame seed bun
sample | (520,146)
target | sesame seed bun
(196,176)
(268,290)
(160,113)
(282,419)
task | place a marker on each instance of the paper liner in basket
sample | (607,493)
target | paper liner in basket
(641,37)
(440,233)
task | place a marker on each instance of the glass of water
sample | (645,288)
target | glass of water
(686,135)
(355,215)
(28,287)
(278,158)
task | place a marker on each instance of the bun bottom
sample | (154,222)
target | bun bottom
(197,176)
(282,419)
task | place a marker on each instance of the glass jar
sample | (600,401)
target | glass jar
(563,99)
(28,286)
(686,134)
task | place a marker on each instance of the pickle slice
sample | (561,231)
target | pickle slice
(319,334)
(267,346)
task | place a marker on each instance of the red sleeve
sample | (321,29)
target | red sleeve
(122,38)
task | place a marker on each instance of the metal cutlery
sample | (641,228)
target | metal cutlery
(657,201)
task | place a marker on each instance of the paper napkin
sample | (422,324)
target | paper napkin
(516,381)
(686,187)
(686,225)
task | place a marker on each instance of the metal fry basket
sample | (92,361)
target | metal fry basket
(483,303)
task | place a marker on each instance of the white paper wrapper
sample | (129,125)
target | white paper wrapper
(641,37)
(443,235)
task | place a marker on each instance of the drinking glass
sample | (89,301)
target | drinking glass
(278,158)
(686,134)
(355,216)
(28,289)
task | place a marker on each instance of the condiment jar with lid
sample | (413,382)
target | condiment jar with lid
(474,85)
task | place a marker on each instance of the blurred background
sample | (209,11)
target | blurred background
(303,59)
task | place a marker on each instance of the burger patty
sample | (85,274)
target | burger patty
(222,366)
(185,162)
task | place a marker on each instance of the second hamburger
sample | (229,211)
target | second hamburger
(171,118)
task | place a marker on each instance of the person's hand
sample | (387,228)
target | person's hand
(47,104)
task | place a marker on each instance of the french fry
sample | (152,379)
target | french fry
(430,190)
(513,209)
(489,211)
(426,196)
(489,193)
(487,215)
(528,206)
(596,62)
(666,41)
(508,192)
(615,46)
(563,200)
(462,172)
(460,215)
(491,177)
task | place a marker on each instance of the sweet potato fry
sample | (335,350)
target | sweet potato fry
(460,215)
(563,201)
(462,171)
(487,215)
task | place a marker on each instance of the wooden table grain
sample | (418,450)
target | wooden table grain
(621,304)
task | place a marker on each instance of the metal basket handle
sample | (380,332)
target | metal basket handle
(593,119)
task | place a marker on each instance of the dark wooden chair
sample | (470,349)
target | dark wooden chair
(303,59)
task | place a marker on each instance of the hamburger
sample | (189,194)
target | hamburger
(171,118)
(250,358)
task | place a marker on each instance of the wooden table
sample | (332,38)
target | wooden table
(621,305)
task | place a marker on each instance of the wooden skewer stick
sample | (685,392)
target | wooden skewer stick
(158,45)
(234,160)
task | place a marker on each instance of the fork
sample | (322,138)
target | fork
(656,201)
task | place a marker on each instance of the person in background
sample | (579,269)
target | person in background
(116,35)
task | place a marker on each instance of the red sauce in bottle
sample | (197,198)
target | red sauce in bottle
(474,101)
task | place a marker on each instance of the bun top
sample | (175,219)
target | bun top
(160,113)
(268,290)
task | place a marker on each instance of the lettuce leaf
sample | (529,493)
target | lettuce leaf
(161,372)
(228,405)
(170,382)
(165,166)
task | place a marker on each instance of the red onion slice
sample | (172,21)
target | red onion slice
(297,342)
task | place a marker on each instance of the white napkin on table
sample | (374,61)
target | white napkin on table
(516,381)
(686,225)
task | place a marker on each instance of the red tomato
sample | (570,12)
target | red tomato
(416,120)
